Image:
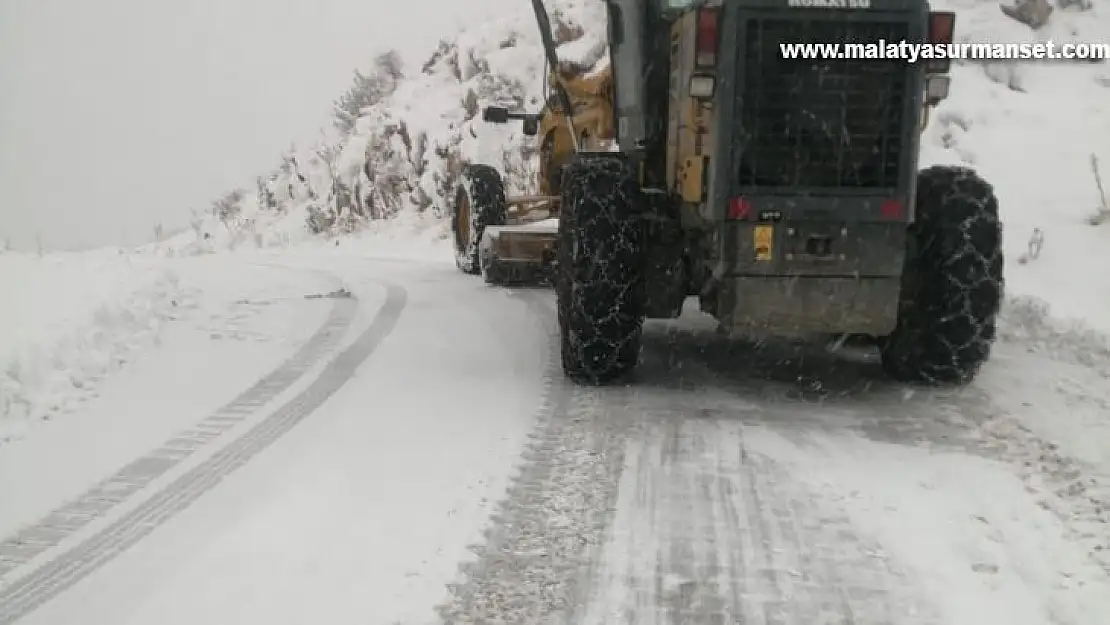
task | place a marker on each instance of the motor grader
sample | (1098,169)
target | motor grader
(781,192)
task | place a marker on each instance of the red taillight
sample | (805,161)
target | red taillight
(891,209)
(739,208)
(941,26)
(707,38)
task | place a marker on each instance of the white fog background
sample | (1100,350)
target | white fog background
(116,115)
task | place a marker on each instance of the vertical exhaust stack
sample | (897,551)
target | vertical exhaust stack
(626,49)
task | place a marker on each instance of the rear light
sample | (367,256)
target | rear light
(739,208)
(936,89)
(891,209)
(701,86)
(942,26)
(707,38)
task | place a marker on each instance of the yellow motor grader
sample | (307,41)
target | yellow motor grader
(511,239)
(783,192)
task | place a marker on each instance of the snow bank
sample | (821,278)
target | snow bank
(70,319)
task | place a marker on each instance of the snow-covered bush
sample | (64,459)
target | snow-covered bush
(229,207)
(368,90)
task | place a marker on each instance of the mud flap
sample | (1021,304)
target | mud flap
(664,269)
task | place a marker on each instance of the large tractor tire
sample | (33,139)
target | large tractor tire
(479,202)
(952,282)
(599,276)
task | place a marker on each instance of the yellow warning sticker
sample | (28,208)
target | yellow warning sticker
(764,242)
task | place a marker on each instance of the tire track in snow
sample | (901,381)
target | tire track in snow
(854,395)
(47,533)
(641,505)
(708,531)
(542,537)
(28,593)
(843,395)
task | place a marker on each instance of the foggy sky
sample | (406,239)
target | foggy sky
(116,115)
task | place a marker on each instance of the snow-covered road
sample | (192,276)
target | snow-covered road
(780,484)
(424,422)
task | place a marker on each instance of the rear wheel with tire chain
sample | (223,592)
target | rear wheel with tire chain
(599,277)
(479,202)
(952,282)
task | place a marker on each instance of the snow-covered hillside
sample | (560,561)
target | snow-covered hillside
(405,150)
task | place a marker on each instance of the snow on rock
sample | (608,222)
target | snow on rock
(70,319)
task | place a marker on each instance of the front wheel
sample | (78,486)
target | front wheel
(952,282)
(479,202)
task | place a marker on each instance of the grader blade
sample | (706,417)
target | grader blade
(521,254)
